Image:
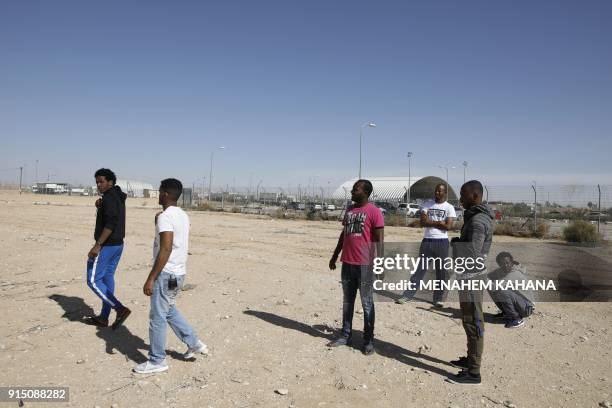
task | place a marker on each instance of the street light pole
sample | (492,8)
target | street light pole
(212,154)
(465,164)
(446,168)
(535,206)
(368,124)
(408,198)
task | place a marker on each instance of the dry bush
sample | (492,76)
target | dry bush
(581,232)
(395,220)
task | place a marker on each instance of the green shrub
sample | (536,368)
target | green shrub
(581,231)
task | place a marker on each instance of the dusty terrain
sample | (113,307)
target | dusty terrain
(266,304)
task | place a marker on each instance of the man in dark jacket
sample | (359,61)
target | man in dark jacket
(474,243)
(104,256)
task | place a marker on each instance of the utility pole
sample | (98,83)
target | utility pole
(408,198)
(535,207)
(20,178)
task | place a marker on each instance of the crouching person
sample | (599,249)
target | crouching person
(515,305)
(166,279)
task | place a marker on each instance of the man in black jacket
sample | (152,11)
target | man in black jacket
(104,256)
(474,244)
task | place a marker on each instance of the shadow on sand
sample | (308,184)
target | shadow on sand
(383,348)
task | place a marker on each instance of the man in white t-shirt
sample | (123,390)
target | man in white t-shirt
(437,217)
(166,279)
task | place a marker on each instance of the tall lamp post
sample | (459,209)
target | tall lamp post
(212,155)
(535,205)
(465,164)
(446,168)
(408,199)
(368,124)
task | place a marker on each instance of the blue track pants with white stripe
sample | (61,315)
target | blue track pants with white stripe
(101,277)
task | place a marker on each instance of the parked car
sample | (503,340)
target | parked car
(459,213)
(386,205)
(382,209)
(411,209)
(330,207)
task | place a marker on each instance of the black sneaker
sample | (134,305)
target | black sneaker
(368,349)
(499,315)
(98,321)
(121,316)
(514,323)
(340,341)
(464,377)
(462,362)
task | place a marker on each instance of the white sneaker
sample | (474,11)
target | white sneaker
(200,348)
(148,367)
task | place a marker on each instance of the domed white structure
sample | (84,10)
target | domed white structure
(394,189)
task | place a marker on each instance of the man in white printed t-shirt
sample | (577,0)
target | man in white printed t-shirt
(437,217)
(166,279)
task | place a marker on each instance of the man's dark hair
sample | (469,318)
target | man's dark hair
(367,186)
(474,186)
(173,187)
(107,174)
(503,255)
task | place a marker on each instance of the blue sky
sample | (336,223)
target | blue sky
(521,90)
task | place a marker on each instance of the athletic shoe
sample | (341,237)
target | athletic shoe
(403,300)
(121,316)
(499,315)
(96,321)
(200,348)
(439,305)
(514,323)
(465,378)
(368,349)
(462,363)
(148,367)
(340,341)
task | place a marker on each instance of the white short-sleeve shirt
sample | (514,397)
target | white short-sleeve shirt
(176,220)
(438,212)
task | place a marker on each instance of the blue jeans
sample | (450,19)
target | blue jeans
(358,277)
(431,248)
(163,310)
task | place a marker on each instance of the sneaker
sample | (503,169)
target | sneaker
(464,377)
(438,305)
(514,323)
(121,316)
(499,315)
(200,348)
(462,363)
(368,349)
(340,341)
(148,367)
(403,300)
(96,321)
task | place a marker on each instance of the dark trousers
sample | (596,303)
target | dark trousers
(512,304)
(358,277)
(431,248)
(472,317)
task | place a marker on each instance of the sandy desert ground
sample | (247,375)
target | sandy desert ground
(266,304)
